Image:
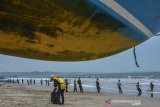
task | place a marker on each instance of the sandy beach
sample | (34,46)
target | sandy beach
(14,95)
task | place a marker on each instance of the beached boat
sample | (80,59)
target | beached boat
(139,15)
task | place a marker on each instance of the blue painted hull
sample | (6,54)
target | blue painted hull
(145,11)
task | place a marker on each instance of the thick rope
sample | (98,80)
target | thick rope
(135,57)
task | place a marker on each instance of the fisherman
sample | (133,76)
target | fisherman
(17,80)
(48,83)
(41,82)
(59,86)
(66,82)
(151,86)
(75,86)
(8,80)
(98,85)
(34,81)
(22,81)
(27,81)
(139,89)
(119,86)
(30,81)
(80,85)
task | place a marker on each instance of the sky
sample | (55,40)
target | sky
(148,57)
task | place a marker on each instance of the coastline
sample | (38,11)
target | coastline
(39,96)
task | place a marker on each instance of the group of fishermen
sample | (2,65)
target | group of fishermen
(60,86)
(79,84)
(29,81)
(138,88)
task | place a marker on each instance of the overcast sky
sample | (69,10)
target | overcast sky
(148,56)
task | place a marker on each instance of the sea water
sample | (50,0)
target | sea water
(108,83)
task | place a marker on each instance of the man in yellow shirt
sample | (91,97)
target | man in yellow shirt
(59,86)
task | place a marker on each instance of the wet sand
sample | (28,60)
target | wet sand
(13,95)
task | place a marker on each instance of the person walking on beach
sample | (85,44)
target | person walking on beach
(41,82)
(17,80)
(34,81)
(66,82)
(119,86)
(30,81)
(8,80)
(75,86)
(22,81)
(27,81)
(48,83)
(80,85)
(151,86)
(139,89)
(59,86)
(98,85)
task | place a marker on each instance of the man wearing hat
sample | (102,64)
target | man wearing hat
(59,86)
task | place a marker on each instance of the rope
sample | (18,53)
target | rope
(135,57)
